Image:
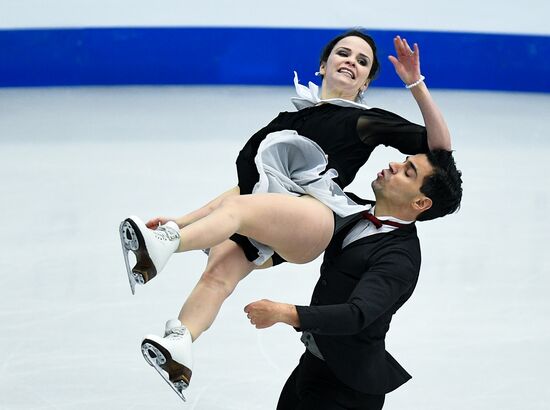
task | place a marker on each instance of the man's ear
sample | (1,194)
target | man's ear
(422,204)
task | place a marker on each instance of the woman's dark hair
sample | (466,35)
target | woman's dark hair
(443,186)
(375,67)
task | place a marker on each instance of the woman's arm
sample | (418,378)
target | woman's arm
(407,67)
(195,215)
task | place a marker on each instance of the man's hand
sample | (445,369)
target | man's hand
(265,313)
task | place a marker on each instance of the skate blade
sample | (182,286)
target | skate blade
(155,363)
(126,248)
(130,243)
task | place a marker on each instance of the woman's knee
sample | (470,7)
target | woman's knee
(224,271)
(213,278)
(232,206)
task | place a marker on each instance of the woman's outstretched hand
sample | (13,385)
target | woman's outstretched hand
(265,313)
(407,63)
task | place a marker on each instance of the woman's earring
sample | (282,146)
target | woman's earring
(360,95)
(317,73)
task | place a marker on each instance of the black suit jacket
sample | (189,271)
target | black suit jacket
(360,288)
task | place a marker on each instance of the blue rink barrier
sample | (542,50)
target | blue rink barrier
(258,56)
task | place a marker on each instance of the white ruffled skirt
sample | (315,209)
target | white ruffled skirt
(292,164)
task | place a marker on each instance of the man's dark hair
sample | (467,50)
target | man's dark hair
(443,186)
(375,68)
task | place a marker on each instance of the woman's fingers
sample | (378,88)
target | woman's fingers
(155,222)
(399,46)
(403,49)
(394,61)
(152,223)
(407,47)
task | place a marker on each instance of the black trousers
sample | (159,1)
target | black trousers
(312,386)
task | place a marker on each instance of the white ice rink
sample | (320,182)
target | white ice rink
(75,161)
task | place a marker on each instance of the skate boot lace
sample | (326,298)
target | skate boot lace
(165,233)
(175,332)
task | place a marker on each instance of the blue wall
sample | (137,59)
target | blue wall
(258,56)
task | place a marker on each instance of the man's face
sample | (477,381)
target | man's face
(399,185)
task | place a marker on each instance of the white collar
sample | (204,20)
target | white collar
(364,228)
(390,218)
(308,97)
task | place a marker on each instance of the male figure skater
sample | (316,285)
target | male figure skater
(369,271)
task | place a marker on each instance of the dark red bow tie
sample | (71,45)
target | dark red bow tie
(378,223)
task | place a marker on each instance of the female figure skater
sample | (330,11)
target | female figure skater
(339,126)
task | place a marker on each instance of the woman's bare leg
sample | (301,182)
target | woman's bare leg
(226,266)
(204,210)
(298,228)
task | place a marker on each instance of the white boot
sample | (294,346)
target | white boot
(152,247)
(171,355)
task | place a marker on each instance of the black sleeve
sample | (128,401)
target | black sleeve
(381,127)
(247,172)
(377,292)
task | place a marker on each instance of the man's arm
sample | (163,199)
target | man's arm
(265,313)
(377,292)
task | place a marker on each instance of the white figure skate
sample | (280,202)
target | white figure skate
(171,355)
(152,247)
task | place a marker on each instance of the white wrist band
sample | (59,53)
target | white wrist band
(422,78)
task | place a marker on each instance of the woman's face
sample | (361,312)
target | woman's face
(348,66)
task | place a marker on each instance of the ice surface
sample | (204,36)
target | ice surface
(75,161)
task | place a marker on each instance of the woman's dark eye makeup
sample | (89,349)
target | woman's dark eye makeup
(345,53)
